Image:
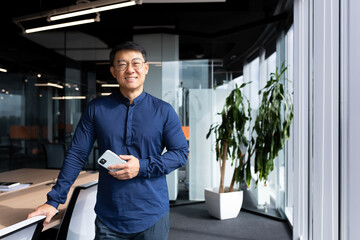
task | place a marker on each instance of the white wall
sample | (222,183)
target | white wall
(327,116)
(302,32)
(159,48)
(201,158)
(324,165)
(350,119)
(163,79)
(316,104)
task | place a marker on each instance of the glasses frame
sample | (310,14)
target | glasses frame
(117,66)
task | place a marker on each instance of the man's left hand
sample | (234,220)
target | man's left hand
(126,170)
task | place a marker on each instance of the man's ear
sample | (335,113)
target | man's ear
(112,70)
(146,68)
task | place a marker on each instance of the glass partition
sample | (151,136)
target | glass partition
(45,108)
(275,198)
(40,106)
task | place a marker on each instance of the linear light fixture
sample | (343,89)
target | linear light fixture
(157,64)
(110,85)
(74,10)
(3,70)
(48,85)
(92,10)
(61,25)
(68,97)
(181,1)
(105,93)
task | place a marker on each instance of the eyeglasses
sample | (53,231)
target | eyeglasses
(135,63)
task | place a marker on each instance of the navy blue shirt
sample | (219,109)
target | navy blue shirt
(142,129)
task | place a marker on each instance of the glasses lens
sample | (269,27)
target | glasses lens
(121,66)
(137,63)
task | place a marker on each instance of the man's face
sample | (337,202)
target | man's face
(129,70)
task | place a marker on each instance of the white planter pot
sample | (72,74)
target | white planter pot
(223,205)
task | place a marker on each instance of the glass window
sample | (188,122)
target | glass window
(289,150)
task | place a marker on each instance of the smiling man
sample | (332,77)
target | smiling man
(132,202)
(129,68)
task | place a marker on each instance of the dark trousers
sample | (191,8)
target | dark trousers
(159,231)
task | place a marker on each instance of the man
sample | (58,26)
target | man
(132,202)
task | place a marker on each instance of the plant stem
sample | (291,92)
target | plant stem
(218,149)
(231,189)
(252,153)
(222,179)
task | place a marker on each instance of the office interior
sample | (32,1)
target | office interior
(198,51)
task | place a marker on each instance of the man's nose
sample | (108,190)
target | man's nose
(130,68)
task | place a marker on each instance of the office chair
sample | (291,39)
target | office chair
(28,229)
(79,219)
(8,147)
(54,155)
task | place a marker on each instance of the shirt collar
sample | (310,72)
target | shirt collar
(125,100)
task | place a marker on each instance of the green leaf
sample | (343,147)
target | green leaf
(268,127)
(268,131)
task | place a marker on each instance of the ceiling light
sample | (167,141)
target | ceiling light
(73,10)
(3,70)
(92,10)
(110,85)
(100,81)
(61,25)
(155,63)
(105,93)
(181,1)
(68,97)
(48,85)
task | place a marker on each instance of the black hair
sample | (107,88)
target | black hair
(126,46)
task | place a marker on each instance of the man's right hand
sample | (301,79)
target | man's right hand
(45,209)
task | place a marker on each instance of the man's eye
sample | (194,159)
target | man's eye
(135,64)
(122,65)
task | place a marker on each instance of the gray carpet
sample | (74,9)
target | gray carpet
(193,222)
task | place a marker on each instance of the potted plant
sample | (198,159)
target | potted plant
(231,142)
(271,128)
(268,135)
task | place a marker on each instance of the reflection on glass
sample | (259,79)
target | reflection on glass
(196,89)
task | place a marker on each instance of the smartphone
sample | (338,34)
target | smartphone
(109,158)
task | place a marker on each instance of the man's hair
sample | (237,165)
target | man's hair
(127,46)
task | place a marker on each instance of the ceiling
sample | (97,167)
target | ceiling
(231,31)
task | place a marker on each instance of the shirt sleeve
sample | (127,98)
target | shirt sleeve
(75,159)
(176,146)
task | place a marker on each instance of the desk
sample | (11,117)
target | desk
(16,205)
(27,175)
